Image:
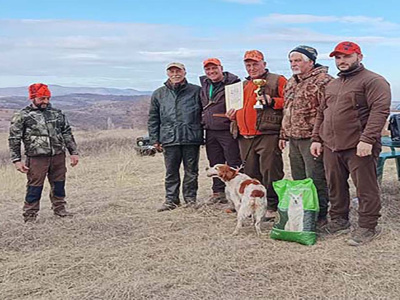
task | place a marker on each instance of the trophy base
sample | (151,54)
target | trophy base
(258,106)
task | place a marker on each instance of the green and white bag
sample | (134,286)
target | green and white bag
(297,211)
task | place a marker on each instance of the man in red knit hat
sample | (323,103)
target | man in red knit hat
(46,134)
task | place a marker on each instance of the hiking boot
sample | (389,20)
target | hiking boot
(270,216)
(362,236)
(320,225)
(30,218)
(322,222)
(63,213)
(337,226)
(217,198)
(167,206)
(191,204)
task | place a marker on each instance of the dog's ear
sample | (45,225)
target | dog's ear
(226,173)
(223,173)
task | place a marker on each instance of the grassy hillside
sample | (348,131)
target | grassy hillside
(88,111)
(118,247)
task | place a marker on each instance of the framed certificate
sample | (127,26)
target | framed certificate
(234,96)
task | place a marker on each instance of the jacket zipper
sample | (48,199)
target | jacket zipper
(244,113)
(48,133)
(336,103)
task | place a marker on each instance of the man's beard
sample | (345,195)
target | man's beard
(41,106)
(296,71)
(352,67)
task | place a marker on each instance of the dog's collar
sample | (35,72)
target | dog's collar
(239,168)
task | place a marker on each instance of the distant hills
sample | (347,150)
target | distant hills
(87,108)
(58,90)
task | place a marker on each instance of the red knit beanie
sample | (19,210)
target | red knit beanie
(38,90)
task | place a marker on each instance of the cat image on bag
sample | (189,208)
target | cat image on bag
(295,213)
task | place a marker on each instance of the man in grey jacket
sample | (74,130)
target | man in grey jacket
(175,127)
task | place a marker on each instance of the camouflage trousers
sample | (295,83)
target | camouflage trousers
(52,167)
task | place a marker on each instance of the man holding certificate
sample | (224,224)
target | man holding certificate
(221,147)
(259,123)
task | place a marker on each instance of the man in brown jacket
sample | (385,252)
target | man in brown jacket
(349,125)
(303,94)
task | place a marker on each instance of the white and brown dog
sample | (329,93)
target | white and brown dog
(247,194)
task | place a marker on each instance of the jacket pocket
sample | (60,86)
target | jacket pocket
(269,120)
(167,135)
(192,133)
(38,145)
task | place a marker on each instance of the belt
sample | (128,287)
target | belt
(248,137)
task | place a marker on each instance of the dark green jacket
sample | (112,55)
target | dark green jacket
(43,132)
(175,115)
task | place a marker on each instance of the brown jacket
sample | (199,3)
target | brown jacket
(303,94)
(215,103)
(355,108)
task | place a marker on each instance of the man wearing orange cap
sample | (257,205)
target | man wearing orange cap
(46,134)
(221,147)
(175,126)
(259,128)
(348,127)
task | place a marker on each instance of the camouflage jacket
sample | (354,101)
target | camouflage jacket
(44,133)
(303,95)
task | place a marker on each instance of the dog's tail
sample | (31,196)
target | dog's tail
(253,196)
(253,203)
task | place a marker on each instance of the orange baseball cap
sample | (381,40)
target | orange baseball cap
(214,61)
(253,55)
(346,48)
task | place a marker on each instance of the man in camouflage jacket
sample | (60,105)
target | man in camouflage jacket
(303,94)
(46,135)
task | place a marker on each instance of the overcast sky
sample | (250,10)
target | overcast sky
(127,44)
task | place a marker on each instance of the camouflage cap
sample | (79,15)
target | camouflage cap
(253,55)
(308,51)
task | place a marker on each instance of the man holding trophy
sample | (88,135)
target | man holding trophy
(259,123)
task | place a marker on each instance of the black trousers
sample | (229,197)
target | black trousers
(222,148)
(173,157)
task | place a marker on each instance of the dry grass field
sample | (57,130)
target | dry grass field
(118,247)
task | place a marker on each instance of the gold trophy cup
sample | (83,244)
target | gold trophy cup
(259,83)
